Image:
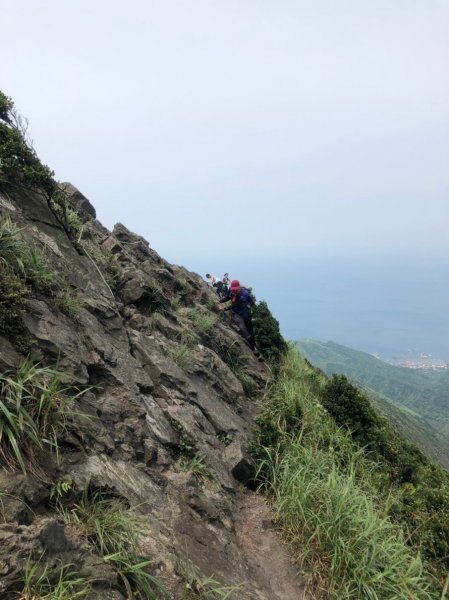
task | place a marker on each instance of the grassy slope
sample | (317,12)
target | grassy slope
(332,503)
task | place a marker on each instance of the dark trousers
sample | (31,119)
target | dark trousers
(246,329)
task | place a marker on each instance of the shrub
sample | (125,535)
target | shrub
(19,163)
(266,329)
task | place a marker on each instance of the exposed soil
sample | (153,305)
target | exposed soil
(259,539)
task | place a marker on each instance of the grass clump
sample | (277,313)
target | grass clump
(13,295)
(34,409)
(56,583)
(112,270)
(196,588)
(197,467)
(68,304)
(12,247)
(38,271)
(107,526)
(182,356)
(323,489)
(203,321)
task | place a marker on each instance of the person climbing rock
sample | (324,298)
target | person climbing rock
(218,284)
(240,306)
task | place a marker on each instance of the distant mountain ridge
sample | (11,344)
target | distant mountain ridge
(416,402)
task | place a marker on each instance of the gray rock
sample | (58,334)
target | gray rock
(239,462)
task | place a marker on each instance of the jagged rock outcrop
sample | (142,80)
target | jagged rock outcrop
(157,383)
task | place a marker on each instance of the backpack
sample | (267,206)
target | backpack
(251,296)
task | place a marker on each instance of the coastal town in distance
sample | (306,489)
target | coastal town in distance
(422,361)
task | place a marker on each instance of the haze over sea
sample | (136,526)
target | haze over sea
(393,306)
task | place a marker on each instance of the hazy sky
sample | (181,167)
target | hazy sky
(289,128)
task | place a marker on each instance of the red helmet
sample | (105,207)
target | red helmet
(235,284)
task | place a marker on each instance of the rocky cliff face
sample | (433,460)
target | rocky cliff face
(163,423)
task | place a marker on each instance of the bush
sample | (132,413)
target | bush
(19,164)
(266,329)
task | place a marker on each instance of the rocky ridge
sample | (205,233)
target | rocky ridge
(159,385)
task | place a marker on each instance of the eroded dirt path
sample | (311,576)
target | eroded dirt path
(259,540)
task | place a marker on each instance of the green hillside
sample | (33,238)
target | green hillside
(416,402)
(364,511)
(413,427)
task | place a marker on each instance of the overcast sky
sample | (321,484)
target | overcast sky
(282,128)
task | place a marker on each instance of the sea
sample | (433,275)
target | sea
(392,307)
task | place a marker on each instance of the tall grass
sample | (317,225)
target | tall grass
(33,413)
(38,269)
(57,583)
(111,530)
(321,488)
(12,247)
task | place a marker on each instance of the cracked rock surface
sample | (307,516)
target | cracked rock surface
(147,405)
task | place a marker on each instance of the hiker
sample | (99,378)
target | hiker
(241,301)
(218,284)
(226,281)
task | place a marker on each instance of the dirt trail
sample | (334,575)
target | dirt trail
(258,537)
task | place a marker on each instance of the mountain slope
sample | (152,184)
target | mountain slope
(163,393)
(415,402)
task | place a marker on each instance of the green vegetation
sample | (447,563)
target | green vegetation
(38,271)
(13,295)
(268,337)
(209,588)
(202,320)
(424,392)
(20,167)
(224,437)
(197,467)
(360,508)
(111,531)
(111,267)
(19,163)
(182,356)
(34,409)
(68,304)
(12,247)
(58,583)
